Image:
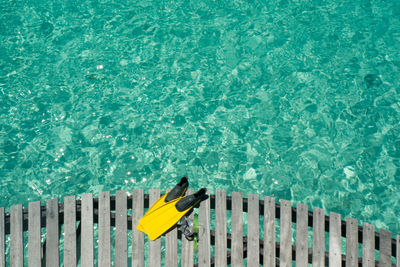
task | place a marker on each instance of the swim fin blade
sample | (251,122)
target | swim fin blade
(177,192)
(163,218)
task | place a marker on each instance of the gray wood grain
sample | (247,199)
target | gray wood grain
(187,246)
(318,258)
(398,251)
(368,248)
(16,237)
(335,242)
(351,242)
(171,248)
(121,229)
(286,233)
(137,236)
(385,248)
(70,231)
(302,236)
(2,238)
(269,232)
(220,229)
(154,246)
(253,230)
(237,230)
(87,252)
(52,234)
(104,245)
(34,232)
(204,234)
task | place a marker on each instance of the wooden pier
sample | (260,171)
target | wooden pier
(81,225)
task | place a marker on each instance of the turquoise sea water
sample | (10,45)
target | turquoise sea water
(295,99)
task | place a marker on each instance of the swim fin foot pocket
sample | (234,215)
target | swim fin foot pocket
(178,191)
(191,200)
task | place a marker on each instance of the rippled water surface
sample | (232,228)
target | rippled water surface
(294,99)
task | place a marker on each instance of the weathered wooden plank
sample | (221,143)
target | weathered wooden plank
(351,242)
(318,258)
(104,245)
(368,249)
(121,229)
(87,230)
(70,258)
(187,246)
(285,250)
(398,251)
(2,238)
(155,246)
(204,234)
(52,234)
(220,228)
(171,248)
(385,248)
(137,236)
(34,232)
(302,236)
(253,230)
(237,230)
(17,238)
(269,232)
(335,243)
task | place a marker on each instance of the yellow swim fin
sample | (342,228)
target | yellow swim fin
(177,192)
(163,218)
